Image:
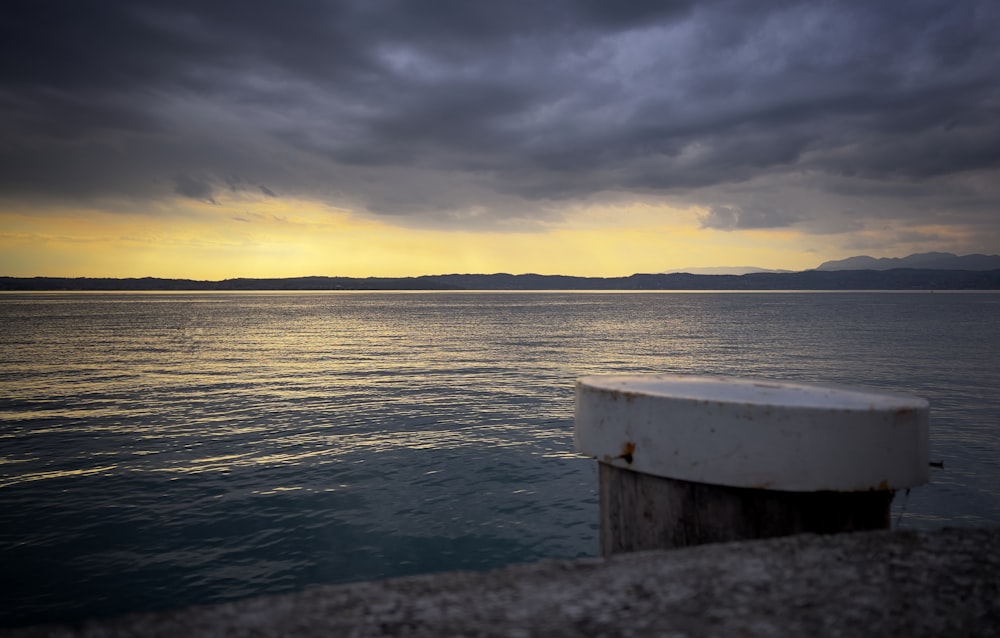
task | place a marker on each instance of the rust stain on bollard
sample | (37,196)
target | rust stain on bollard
(627,451)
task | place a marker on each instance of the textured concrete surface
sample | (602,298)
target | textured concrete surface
(944,583)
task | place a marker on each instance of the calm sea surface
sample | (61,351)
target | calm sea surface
(158,450)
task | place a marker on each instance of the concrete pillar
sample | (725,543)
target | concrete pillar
(688,460)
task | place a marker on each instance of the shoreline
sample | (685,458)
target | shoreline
(936,583)
(811,280)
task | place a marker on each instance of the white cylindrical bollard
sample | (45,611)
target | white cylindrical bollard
(686,460)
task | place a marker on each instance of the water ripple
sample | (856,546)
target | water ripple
(161,450)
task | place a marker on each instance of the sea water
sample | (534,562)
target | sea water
(159,450)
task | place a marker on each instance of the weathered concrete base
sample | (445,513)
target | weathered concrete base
(641,511)
(944,583)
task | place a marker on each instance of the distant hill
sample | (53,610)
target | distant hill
(722,270)
(898,279)
(929,261)
(155,283)
(895,279)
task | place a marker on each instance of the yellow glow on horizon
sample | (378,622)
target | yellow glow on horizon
(269,237)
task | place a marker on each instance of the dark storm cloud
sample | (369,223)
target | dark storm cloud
(455,112)
(193,188)
(749,216)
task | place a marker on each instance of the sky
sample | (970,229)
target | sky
(221,139)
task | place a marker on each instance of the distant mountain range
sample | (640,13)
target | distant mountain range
(895,279)
(926,271)
(931,261)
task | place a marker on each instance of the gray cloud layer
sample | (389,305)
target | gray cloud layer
(447,112)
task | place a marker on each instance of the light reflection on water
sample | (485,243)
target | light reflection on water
(166,449)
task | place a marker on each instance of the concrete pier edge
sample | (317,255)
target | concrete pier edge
(886,583)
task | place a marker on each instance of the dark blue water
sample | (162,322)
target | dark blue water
(159,450)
